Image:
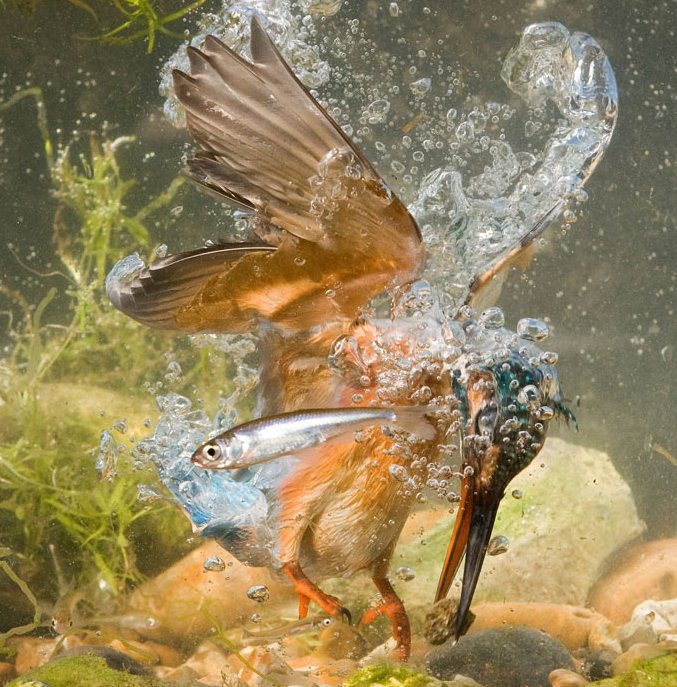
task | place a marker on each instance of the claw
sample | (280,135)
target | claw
(393,608)
(308,591)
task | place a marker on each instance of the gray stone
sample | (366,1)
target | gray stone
(503,657)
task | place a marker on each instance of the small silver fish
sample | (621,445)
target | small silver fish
(262,440)
(276,634)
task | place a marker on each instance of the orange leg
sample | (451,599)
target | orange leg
(308,591)
(393,608)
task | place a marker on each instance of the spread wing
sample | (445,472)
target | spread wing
(336,235)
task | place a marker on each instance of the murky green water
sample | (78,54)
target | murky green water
(71,367)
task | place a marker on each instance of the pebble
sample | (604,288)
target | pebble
(175,598)
(502,657)
(566,678)
(576,627)
(33,652)
(651,622)
(641,652)
(645,571)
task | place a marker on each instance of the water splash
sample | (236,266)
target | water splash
(469,225)
(231,25)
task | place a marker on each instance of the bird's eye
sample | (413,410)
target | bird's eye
(212,451)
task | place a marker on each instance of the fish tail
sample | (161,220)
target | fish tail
(416,420)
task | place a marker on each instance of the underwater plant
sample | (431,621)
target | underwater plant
(51,497)
(138,19)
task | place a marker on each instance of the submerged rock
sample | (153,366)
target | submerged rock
(390,675)
(641,652)
(576,627)
(566,678)
(574,511)
(658,672)
(651,622)
(505,657)
(186,602)
(83,671)
(645,571)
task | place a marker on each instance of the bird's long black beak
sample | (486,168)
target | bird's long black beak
(480,496)
(470,536)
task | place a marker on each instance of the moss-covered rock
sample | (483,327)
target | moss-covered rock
(83,671)
(390,675)
(656,672)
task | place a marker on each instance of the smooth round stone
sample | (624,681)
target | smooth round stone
(501,657)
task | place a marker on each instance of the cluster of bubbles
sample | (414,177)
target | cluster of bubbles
(471,222)
(231,25)
(488,194)
(424,358)
(470,214)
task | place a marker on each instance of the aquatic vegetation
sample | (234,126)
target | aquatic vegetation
(50,493)
(83,671)
(390,675)
(138,19)
(657,672)
(142,20)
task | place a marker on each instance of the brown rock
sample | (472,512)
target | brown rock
(268,666)
(566,678)
(7,672)
(323,670)
(185,601)
(645,571)
(207,659)
(32,652)
(641,652)
(574,626)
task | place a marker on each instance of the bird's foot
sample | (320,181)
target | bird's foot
(393,608)
(308,591)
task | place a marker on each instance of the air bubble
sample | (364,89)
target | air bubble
(214,564)
(420,87)
(532,329)
(398,472)
(377,111)
(259,593)
(492,318)
(405,573)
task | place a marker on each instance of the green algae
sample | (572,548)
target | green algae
(121,21)
(83,671)
(656,672)
(390,675)
(53,405)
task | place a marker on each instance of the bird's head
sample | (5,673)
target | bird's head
(507,406)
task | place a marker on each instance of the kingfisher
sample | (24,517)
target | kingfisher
(330,236)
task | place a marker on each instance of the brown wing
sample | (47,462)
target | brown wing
(267,146)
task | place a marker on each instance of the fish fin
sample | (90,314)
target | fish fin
(162,295)
(416,420)
(267,146)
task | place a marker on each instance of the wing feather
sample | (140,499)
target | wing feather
(266,146)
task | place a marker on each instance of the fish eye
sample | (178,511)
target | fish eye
(326,622)
(211,451)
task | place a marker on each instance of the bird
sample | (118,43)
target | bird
(330,236)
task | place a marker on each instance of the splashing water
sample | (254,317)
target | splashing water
(231,26)
(467,227)
(469,222)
